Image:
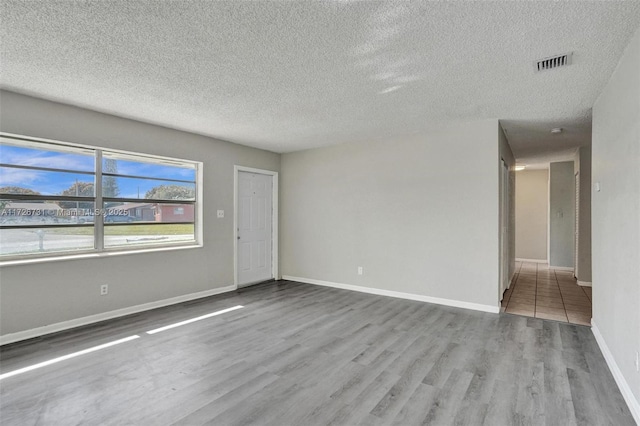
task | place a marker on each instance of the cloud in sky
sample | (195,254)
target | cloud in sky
(46,183)
(43,158)
(135,168)
(17,177)
(52,183)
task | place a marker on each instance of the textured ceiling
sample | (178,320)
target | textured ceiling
(286,76)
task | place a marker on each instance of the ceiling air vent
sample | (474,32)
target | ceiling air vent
(553,62)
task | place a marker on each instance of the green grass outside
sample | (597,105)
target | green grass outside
(166,229)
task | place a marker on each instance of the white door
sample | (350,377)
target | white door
(255,238)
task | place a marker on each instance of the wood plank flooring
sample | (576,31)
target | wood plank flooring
(298,354)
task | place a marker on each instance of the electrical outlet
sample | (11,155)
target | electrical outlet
(220,214)
(104,289)
(360,270)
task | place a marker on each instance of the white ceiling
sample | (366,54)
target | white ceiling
(286,76)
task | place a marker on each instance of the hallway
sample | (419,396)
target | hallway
(541,292)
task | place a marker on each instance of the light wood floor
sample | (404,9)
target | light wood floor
(298,354)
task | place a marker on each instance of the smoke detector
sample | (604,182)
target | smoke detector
(553,62)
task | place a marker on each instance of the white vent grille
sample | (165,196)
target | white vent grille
(553,62)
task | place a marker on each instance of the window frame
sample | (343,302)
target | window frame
(98,199)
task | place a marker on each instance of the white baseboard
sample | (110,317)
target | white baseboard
(584,283)
(519,259)
(625,389)
(398,294)
(561,268)
(65,325)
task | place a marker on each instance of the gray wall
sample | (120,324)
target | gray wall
(36,295)
(532,212)
(562,214)
(582,164)
(616,214)
(420,215)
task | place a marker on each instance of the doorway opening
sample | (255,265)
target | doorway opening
(547,246)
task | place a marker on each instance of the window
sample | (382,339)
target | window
(57,198)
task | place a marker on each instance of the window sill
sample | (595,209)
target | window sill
(94,255)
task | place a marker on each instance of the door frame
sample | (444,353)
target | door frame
(274,219)
(576,231)
(504,278)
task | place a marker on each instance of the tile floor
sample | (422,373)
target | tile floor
(542,292)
